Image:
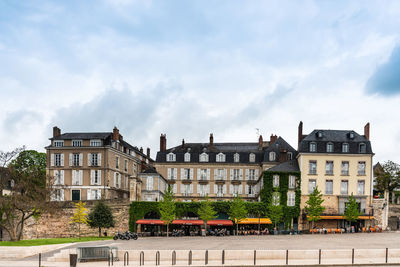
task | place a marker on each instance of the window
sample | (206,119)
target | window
(220,174)
(360,187)
(319,134)
(312,167)
(250,190)
(329,167)
(236,157)
(203,190)
(252,174)
(58,195)
(57,159)
(345,148)
(313,147)
(76,195)
(351,135)
(171,157)
(203,174)
(292,181)
(361,168)
(291,198)
(95,142)
(344,187)
(186,190)
(312,183)
(275,198)
(149,183)
(76,142)
(172,173)
(236,174)
(187,157)
(186,174)
(329,147)
(220,190)
(58,143)
(95,177)
(203,157)
(95,159)
(362,148)
(220,157)
(117,180)
(75,160)
(252,157)
(272,156)
(290,155)
(77,177)
(58,177)
(329,187)
(126,165)
(94,194)
(275,181)
(117,162)
(235,191)
(345,168)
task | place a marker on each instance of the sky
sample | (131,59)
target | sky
(190,68)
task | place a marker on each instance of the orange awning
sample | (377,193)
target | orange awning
(255,221)
(339,217)
(220,222)
(188,222)
(150,221)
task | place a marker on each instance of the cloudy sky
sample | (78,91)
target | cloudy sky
(189,68)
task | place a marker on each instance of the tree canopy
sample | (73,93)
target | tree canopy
(237,211)
(80,216)
(101,217)
(167,208)
(314,207)
(388,176)
(352,212)
(206,212)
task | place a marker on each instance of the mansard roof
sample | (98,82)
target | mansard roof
(288,166)
(82,136)
(279,146)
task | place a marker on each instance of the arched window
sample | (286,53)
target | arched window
(252,157)
(171,157)
(272,156)
(236,157)
(187,157)
(329,147)
(220,157)
(345,147)
(363,148)
(203,157)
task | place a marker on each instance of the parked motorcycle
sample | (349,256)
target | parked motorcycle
(131,235)
(126,236)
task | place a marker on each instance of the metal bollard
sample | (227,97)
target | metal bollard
(174,257)
(126,258)
(141,258)
(223,256)
(387,255)
(255,257)
(319,257)
(206,258)
(352,256)
(190,258)
(287,257)
(40,259)
(158,258)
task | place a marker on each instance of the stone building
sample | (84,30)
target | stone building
(153,185)
(220,170)
(89,166)
(339,162)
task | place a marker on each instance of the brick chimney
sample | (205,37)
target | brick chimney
(260,142)
(272,139)
(300,134)
(183,143)
(211,141)
(148,152)
(163,142)
(56,131)
(366,130)
(141,149)
(283,155)
(115,134)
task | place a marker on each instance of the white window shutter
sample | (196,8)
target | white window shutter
(175,173)
(73,177)
(215,174)
(191,174)
(224,189)
(119,180)
(115,179)
(92,177)
(247,174)
(182,173)
(241,174)
(215,189)
(62,177)
(198,188)
(99,159)
(99,193)
(89,159)
(62,194)
(62,159)
(52,160)
(225,173)
(70,159)
(56,175)
(99,174)
(175,189)
(247,189)
(240,189)
(208,174)
(80,177)
(230,189)
(198,174)
(191,189)
(169,173)
(208,189)
(89,194)
(231,174)
(81,159)
(256,174)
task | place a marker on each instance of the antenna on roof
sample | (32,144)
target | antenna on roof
(258,132)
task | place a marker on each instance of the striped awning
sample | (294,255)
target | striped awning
(220,223)
(340,217)
(188,222)
(255,221)
(150,221)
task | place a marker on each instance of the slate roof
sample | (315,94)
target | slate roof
(337,137)
(71,136)
(288,166)
(278,146)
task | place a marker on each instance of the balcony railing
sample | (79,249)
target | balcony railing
(362,211)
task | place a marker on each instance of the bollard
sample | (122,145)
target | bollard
(190,258)
(174,257)
(126,258)
(352,256)
(206,258)
(319,257)
(40,259)
(112,258)
(141,258)
(158,258)
(287,257)
(387,255)
(255,257)
(223,256)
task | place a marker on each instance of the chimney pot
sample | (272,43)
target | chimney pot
(148,152)
(183,143)
(260,142)
(272,139)
(141,149)
(56,131)
(366,131)
(115,134)
(211,141)
(300,134)
(163,142)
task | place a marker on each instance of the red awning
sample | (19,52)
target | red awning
(150,221)
(188,222)
(220,222)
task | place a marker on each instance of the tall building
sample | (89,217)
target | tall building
(89,166)
(339,162)
(220,170)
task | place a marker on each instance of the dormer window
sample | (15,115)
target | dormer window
(252,157)
(59,143)
(290,155)
(319,134)
(171,157)
(313,147)
(203,157)
(220,157)
(95,142)
(272,156)
(329,147)
(362,148)
(236,157)
(76,142)
(187,157)
(351,135)
(345,148)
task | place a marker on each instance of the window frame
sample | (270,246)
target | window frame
(314,181)
(236,158)
(326,187)
(347,148)
(58,143)
(342,182)
(76,143)
(329,147)
(272,156)
(252,157)
(329,163)
(312,147)
(310,170)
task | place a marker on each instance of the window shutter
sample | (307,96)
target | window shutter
(169,173)
(231,174)
(62,177)
(215,174)
(62,194)
(73,177)
(225,173)
(182,173)
(98,194)
(115,179)
(240,189)
(247,175)
(198,188)
(70,159)
(191,189)
(119,180)
(175,189)
(191,174)
(256,174)
(99,160)
(89,194)
(89,159)
(175,173)
(241,174)
(92,174)
(198,174)
(62,160)
(208,189)
(208,174)
(81,159)
(230,189)
(247,189)
(56,175)
(224,189)
(215,189)
(99,174)
(52,160)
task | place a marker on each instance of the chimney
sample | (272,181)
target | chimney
(211,141)
(141,149)
(283,155)
(163,142)
(366,130)
(260,142)
(183,143)
(115,134)
(148,152)
(56,131)
(300,134)
(272,139)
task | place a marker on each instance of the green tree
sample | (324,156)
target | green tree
(28,162)
(167,208)
(206,212)
(352,212)
(101,217)
(314,207)
(387,178)
(275,209)
(237,211)
(80,216)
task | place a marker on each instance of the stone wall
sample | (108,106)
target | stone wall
(58,224)
(394,217)
(380,212)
